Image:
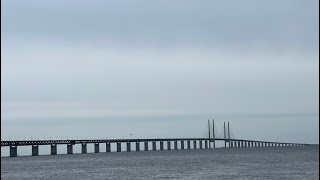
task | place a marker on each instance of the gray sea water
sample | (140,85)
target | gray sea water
(244,163)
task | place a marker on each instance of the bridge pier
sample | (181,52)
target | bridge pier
(108,147)
(146,148)
(206,144)
(175,145)
(118,146)
(137,146)
(169,145)
(154,145)
(128,146)
(96,148)
(200,144)
(161,145)
(194,144)
(182,145)
(35,150)
(231,144)
(13,151)
(189,144)
(69,149)
(53,149)
(84,148)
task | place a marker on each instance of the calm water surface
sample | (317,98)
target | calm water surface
(246,163)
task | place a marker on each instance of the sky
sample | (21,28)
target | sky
(160,68)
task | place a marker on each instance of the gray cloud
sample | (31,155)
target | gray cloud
(162,61)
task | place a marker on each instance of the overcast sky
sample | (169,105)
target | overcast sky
(158,62)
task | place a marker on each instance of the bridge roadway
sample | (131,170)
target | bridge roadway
(197,143)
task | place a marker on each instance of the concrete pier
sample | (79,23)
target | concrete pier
(194,144)
(146,147)
(13,151)
(206,144)
(154,145)
(200,146)
(54,149)
(96,148)
(189,144)
(169,145)
(69,149)
(35,150)
(118,146)
(128,146)
(108,147)
(175,145)
(137,146)
(84,148)
(161,145)
(182,144)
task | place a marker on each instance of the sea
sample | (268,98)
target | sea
(221,163)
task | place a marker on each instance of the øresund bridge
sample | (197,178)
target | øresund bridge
(208,142)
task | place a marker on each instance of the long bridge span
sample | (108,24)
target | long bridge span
(185,143)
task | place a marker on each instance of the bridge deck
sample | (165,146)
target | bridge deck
(49,142)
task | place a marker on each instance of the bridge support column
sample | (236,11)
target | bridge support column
(161,145)
(239,145)
(189,144)
(248,143)
(35,150)
(200,144)
(69,149)
(206,144)
(175,145)
(84,148)
(194,144)
(146,148)
(168,145)
(137,146)
(53,149)
(182,144)
(231,144)
(154,145)
(118,146)
(128,146)
(96,148)
(13,151)
(108,147)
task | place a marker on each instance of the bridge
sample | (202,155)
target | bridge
(208,142)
